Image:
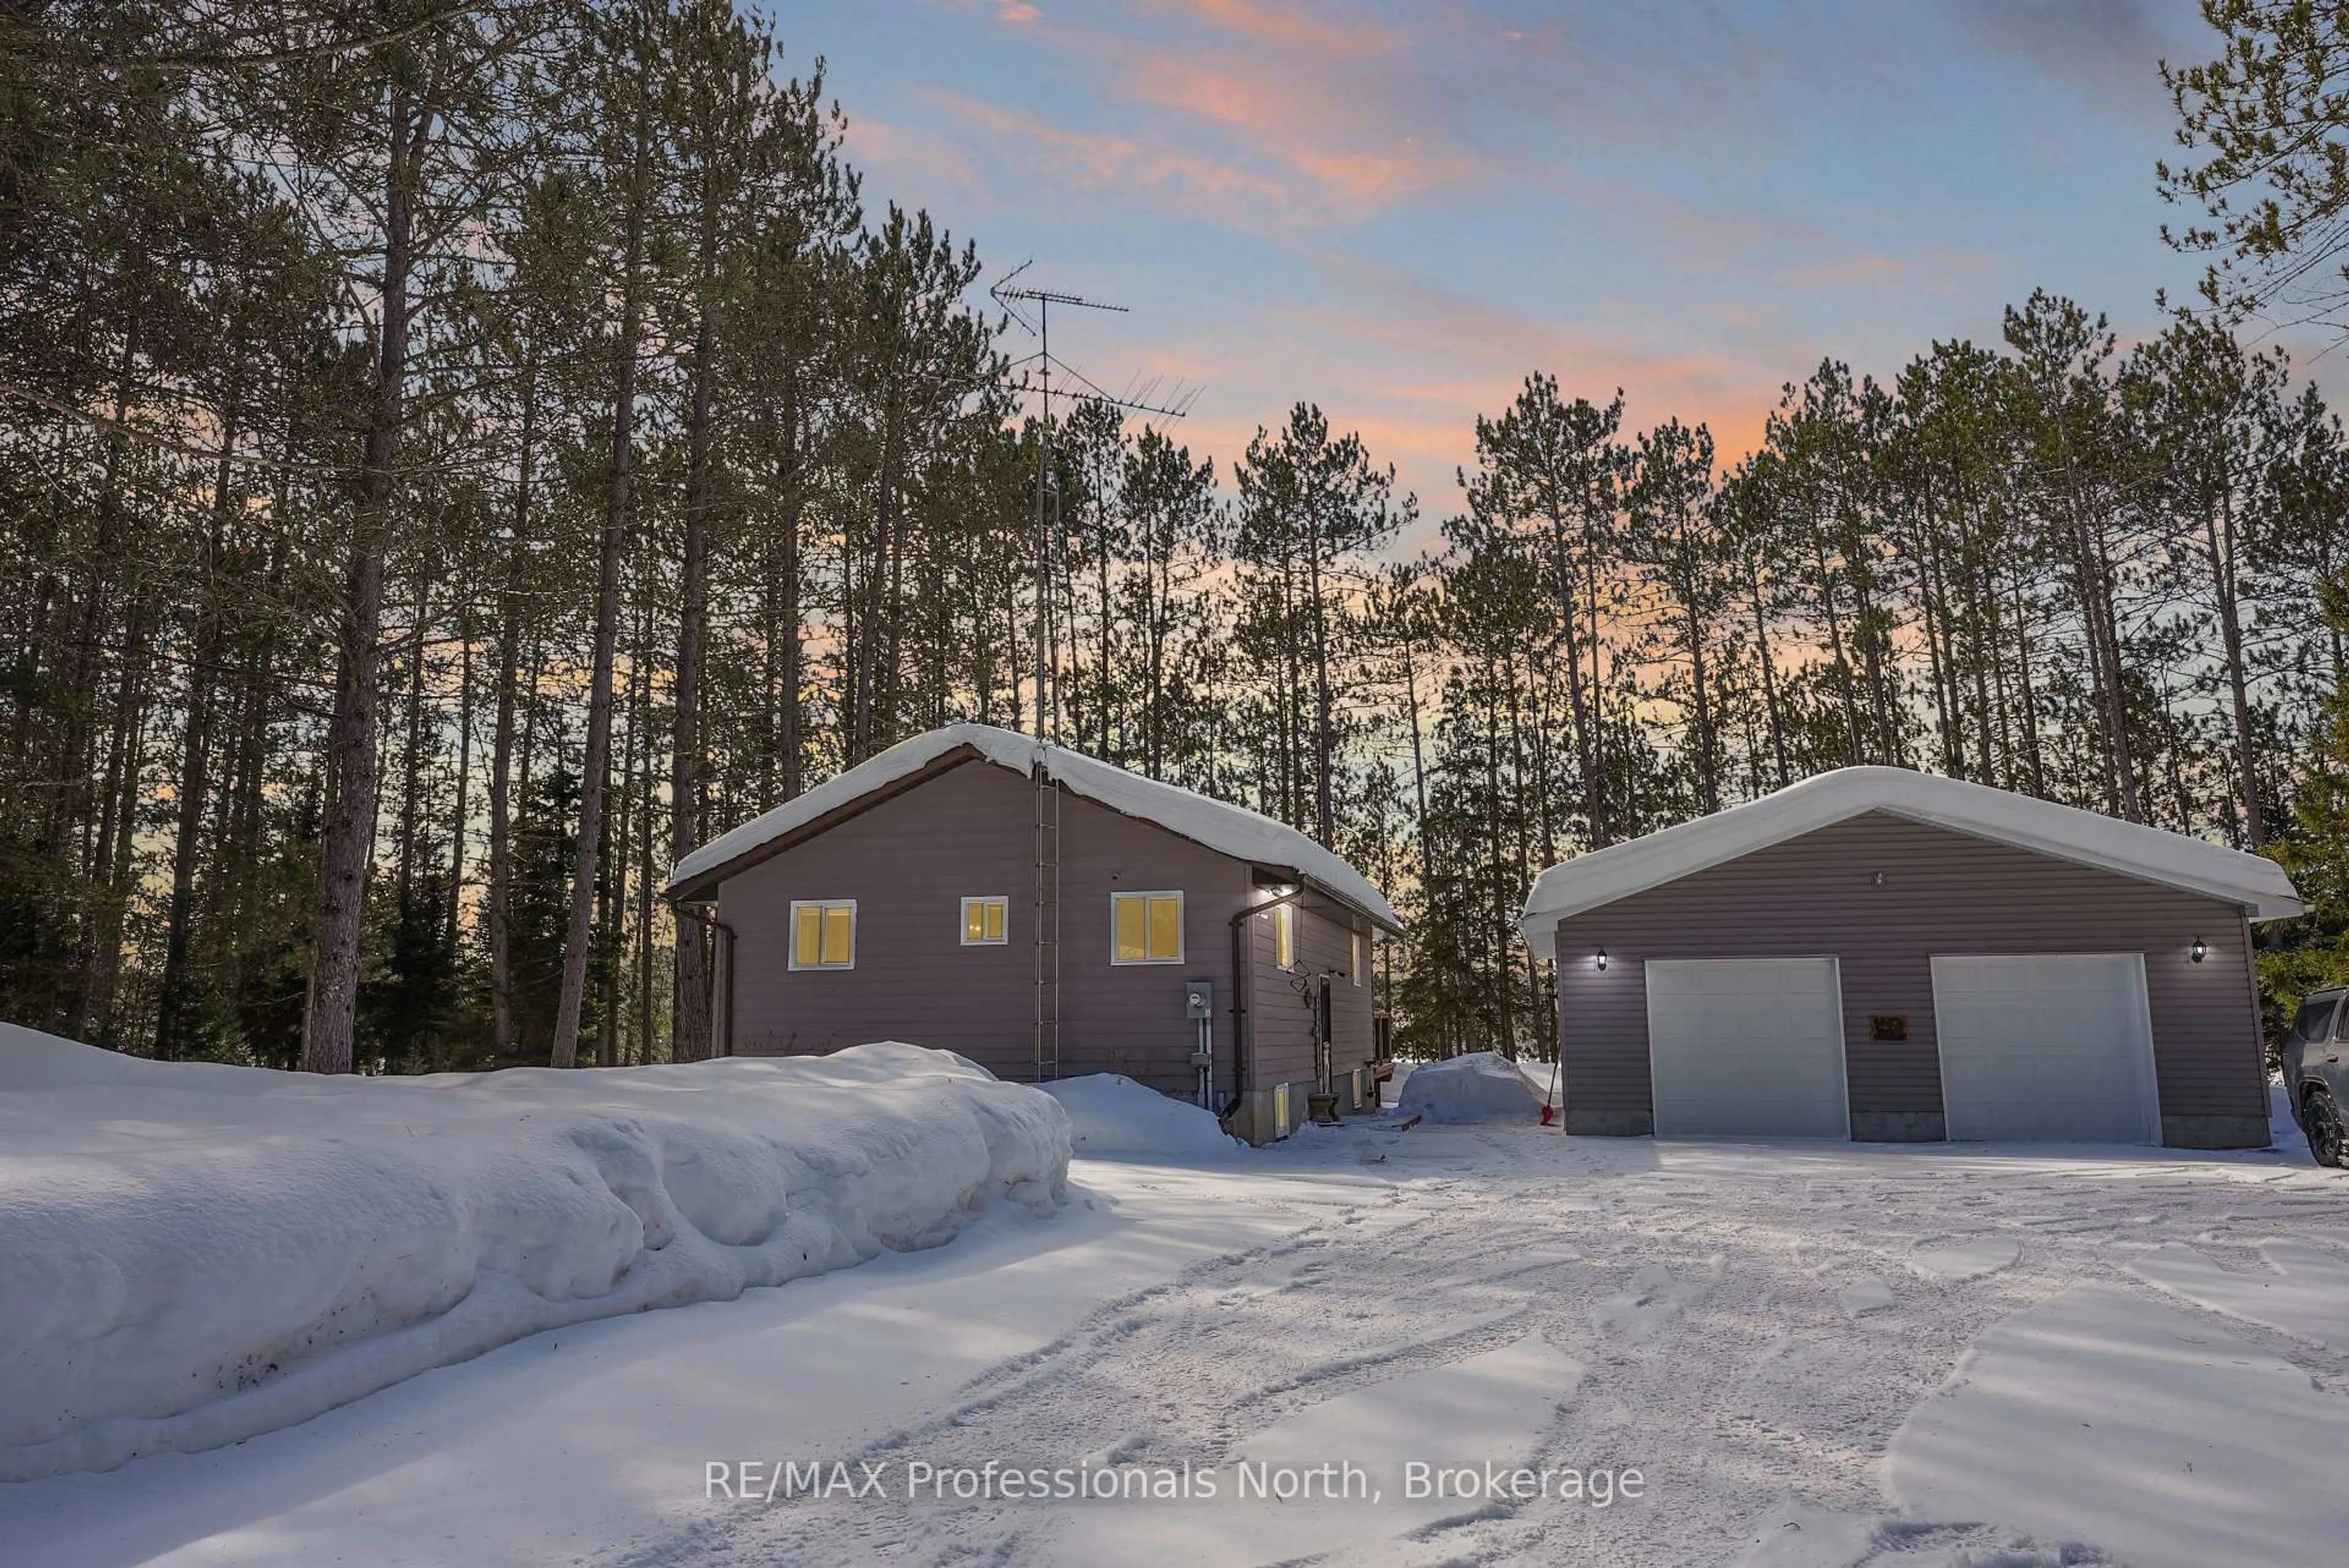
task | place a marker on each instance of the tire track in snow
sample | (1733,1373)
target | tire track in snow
(1736,1376)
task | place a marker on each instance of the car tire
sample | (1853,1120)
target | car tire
(2328,1138)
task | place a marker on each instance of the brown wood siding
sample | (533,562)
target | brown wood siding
(971,832)
(1944,892)
(1282,1013)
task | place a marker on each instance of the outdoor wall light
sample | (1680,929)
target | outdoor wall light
(1602,958)
(2199,951)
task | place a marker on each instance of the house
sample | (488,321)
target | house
(1047,915)
(1881,954)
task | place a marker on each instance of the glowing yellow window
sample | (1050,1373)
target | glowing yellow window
(1284,936)
(985,922)
(824,934)
(1146,927)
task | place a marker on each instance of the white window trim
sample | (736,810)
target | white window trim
(1358,954)
(962,927)
(792,950)
(1180,937)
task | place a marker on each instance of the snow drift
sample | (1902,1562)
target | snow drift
(193,1253)
(1111,1114)
(1479,1087)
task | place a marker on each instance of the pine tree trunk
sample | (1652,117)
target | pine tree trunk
(787,573)
(1569,606)
(119,829)
(2028,720)
(459,820)
(867,641)
(259,704)
(70,808)
(1846,689)
(1497,880)
(1981,628)
(690,1016)
(595,770)
(1602,827)
(2093,579)
(1325,823)
(411,770)
(349,842)
(1769,672)
(1707,770)
(1102,684)
(499,913)
(2220,539)
(620,844)
(194,784)
(645,884)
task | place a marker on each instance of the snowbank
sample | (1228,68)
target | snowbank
(1110,1114)
(1479,1087)
(192,1255)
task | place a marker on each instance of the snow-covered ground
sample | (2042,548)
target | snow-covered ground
(1814,1356)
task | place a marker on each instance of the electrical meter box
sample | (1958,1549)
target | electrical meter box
(1198,999)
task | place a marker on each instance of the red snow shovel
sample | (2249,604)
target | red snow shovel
(1549,1110)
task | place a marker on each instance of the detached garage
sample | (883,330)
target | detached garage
(1888,955)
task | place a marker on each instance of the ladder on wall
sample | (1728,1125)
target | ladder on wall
(1045,923)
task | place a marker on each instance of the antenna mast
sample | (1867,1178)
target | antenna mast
(1044,299)
(1046,908)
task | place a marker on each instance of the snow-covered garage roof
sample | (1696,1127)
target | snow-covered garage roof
(1231,830)
(2066,832)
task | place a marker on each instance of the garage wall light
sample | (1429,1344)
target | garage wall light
(2199,951)
(1602,958)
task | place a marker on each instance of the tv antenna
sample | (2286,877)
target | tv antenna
(1010,293)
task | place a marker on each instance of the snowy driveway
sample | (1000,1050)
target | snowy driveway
(1816,1357)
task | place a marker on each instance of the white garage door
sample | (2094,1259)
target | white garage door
(1747,1047)
(2046,1048)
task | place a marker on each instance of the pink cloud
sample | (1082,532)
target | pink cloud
(1410,369)
(1876,269)
(1322,117)
(1287,28)
(1344,144)
(912,149)
(1268,181)
(1108,159)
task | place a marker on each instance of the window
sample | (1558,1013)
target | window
(824,934)
(985,922)
(2315,1017)
(1284,936)
(1358,958)
(1145,927)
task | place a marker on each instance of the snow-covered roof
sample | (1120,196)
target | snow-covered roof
(2066,832)
(1231,830)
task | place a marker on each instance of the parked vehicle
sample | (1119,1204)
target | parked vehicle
(2316,1072)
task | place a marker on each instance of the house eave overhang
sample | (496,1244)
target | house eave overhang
(2257,885)
(700,884)
(1245,836)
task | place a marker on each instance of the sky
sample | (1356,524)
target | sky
(1398,209)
